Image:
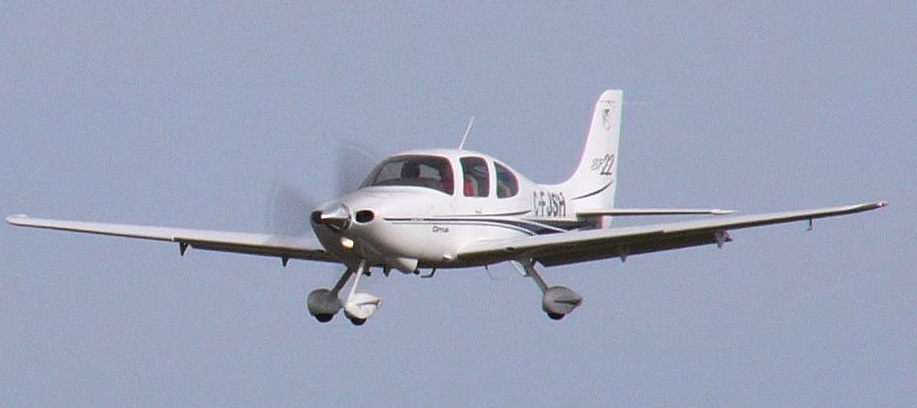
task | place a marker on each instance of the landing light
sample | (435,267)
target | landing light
(347,243)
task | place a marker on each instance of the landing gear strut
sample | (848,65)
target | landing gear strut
(323,304)
(556,301)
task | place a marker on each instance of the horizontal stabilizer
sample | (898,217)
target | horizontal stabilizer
(653,211)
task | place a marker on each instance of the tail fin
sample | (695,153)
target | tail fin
(594,182)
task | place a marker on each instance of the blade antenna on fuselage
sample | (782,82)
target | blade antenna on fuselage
(467,131)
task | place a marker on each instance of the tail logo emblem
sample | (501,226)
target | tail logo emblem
(604,164)
(606,116)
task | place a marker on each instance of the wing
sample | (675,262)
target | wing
(589,245)
(283,247)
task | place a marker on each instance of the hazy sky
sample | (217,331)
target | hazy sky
(192,115)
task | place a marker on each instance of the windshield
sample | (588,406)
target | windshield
(417,171)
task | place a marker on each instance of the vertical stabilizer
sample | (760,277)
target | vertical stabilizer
(594,182)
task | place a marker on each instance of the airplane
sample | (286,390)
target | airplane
(456,208)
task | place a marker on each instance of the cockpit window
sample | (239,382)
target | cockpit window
(475,177)
(418,171)
(507,184)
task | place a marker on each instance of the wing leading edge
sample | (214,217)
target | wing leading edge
(590,245)
(283,247)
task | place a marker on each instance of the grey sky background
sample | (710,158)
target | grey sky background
(192,114)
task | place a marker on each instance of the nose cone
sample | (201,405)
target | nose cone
(336,217)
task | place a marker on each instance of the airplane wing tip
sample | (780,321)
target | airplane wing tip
(875,205)
(12,219)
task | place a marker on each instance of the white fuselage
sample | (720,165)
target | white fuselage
(422,226)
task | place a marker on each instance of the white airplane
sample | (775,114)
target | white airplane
(455,208)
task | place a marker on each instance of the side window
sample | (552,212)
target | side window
(507,185)
(475,176)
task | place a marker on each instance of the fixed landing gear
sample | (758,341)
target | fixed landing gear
(556,301)
(360,306)
(323,304)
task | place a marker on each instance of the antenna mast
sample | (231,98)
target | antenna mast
(467,131)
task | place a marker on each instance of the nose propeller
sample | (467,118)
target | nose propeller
(288,210)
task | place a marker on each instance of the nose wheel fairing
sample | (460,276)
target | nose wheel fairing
(360,306)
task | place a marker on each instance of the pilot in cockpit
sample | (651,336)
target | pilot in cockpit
(410,169)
